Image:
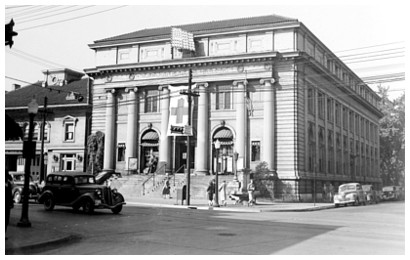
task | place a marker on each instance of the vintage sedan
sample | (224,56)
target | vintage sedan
(350,194)
(18,184)
(79,190)
(371,194)
(392,193)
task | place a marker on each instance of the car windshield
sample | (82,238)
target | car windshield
(347,188)
(84,179)
(388,189)
(366,188)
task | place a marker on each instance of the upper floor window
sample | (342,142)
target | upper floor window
(151,101)
(330,110)
(69,124)
(311,101)
(321,105)
(223,98)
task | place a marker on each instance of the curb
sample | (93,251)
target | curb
(42,245)
(248,209)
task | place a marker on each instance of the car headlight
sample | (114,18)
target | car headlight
(98,192)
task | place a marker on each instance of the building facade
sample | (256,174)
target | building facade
(66,124)
(267,89)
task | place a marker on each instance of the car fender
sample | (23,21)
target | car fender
(42,196)
(81,198)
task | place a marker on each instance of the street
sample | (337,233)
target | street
(371,229)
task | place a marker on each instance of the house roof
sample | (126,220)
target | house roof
(56,95)
(196,29)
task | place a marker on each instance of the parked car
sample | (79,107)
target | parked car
(79,190)
(372,196)
(18,184)
(350,194)
(392,193)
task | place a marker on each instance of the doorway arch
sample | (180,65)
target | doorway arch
(225,163)
(149,146)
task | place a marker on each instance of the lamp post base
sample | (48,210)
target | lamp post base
(24,223)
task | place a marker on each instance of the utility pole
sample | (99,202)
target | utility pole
(188,137)
(42,173)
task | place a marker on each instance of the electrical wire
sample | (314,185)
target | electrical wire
(54,14)
(70,19)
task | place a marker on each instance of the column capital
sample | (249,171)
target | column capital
(237,82)
(270,80)
(163,87)
(202,84)
(111,90)
(135,89)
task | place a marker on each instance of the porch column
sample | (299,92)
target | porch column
(240,141)
(164,147)
(201,156)
(132,135)
(268,143)
(109,143)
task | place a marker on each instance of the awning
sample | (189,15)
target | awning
(223,134)
(151,135)
(146,144)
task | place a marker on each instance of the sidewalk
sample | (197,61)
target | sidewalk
(22,240)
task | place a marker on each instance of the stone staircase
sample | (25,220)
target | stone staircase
(133,187)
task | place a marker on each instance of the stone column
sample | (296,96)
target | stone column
(132,121)
(268,143)
(164,147)
(241,115)
(109,139)
(201,157)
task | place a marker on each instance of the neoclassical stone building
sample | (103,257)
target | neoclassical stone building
(268,90)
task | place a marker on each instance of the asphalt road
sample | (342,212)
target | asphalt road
(369,230)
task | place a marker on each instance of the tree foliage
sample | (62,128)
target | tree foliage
(392,139)
(95,146)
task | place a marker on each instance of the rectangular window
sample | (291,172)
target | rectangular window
(223,98)
(121,152)
(321,105)
(256,151)
(337,114)
(362,126)
(344,118)
(151,101)
(311,101)
(357,122)
(69,132)
(330,110)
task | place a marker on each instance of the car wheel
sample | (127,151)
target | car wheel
(88,206)
(336,205)
(48,202)
(117,209)
(17,197)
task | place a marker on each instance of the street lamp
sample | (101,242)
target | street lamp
(217,147)
(28,152)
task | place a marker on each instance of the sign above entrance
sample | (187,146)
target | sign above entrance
(178,113)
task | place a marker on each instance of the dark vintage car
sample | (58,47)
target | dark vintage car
(18,184)
(79,190)
(372,196)
(392,193)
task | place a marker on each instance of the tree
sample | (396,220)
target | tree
(95,146)
(392,139)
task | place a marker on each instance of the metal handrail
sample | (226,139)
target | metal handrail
(153,178)
(182,166)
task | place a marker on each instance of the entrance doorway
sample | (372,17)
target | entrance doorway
(223,160)
(180,154)
(149,147)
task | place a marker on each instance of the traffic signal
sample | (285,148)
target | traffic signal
(10,33)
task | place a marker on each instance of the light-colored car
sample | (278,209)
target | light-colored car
(393,193)
(350,194)
(371,194)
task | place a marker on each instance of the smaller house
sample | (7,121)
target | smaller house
(66,122)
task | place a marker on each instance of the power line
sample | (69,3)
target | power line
(54,14)
(70,19)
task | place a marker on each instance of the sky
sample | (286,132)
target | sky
(369,35)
